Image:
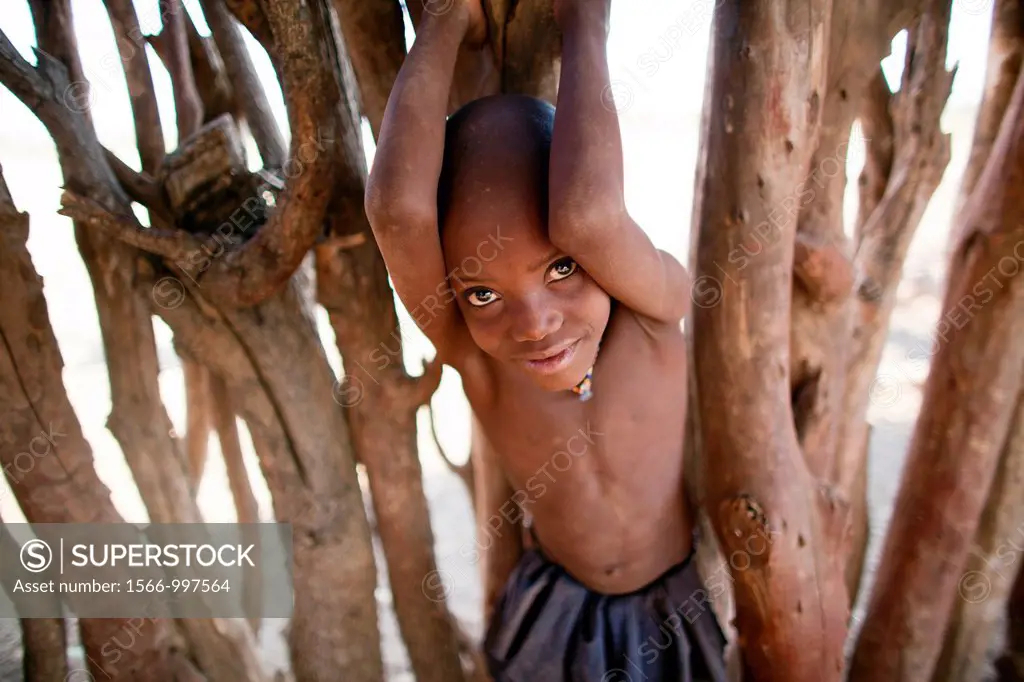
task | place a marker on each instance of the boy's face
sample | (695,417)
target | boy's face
(525,303)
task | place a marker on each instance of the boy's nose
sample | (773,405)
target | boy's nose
(534,323)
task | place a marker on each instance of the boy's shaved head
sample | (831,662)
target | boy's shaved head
(520,296)
(497,141)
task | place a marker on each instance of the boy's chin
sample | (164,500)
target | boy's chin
(563,381)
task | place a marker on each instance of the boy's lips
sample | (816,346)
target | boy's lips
(552,360)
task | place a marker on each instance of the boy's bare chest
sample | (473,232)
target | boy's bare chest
(634,419)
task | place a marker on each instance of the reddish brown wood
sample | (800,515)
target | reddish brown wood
(968,403)
(131,45)
(61,486)
(760,135)
(188,107)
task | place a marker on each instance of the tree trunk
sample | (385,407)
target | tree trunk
(61,485)
(967,407)
(1005,52)
(277,376)
(907,155)
(979,615)
(381,401)
(760,135)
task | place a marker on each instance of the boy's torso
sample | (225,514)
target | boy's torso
(602,479)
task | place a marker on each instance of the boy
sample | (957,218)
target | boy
(561,317)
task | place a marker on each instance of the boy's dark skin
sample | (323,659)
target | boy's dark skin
(550,268)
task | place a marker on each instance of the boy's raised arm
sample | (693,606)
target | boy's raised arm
(401,193)
(587,217)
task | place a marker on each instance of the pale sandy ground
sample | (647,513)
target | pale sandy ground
(662,202)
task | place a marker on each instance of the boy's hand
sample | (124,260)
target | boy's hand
(469,11)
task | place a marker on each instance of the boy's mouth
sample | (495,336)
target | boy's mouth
(553,360)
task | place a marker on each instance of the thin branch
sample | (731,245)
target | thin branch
(131,45)
(174,244)
(877,129)
(1005,54)
(243,77)
(140,186)
(188,106)
(308,59)
(56,37)
(211,79)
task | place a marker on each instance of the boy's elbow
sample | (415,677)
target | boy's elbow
(579,225)
(386,210)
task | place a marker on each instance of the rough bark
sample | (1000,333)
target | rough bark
(968,403)
(979,615)
(760,135)
(381,399)
(919,158)
(61,486)
(1005,52)
(270,358)
(138,419)
(43,640)
(246,83)
(188,106)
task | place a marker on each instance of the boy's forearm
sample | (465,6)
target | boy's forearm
(411,141)
(586,175)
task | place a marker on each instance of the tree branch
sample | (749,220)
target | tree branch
(920,158)
(1005,53)
(131,45)
(306,52)
(140,186)
(374,33)
(211,79)
(173,244)
(966,412)
(877,128)
(188,106)
(243,76)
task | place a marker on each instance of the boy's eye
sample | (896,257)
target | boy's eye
(563,268)
(481,297)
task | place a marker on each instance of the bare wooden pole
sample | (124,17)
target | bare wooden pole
(967,408)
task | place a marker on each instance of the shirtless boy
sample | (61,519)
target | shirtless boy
(567,322)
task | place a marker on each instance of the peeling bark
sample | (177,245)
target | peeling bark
(760,135)
(968,403)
